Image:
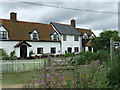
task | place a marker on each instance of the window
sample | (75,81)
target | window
(69,50)
(53,50)
(85,36)
(3,35)
(55,37)
(92,36)
(64,37)
(76,38)
(39,50)
(76,49)
(35,36)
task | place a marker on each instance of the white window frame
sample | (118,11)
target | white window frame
(64,38)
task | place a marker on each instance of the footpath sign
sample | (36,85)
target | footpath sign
(116,44)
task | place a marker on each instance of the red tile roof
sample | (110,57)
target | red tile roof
(19,30)
(21,42)
(82,31)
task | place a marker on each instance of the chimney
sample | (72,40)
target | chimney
(13,16)
(73,23)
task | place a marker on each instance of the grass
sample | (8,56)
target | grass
(20,78)
(16,78)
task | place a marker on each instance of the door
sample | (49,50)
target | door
(23,51)
(69,50)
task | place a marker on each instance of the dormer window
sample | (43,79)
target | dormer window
(85,36)
(55,37)
(34,35)
(92,36)
(3,35)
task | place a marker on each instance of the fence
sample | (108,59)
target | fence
(31,65)
(21,65)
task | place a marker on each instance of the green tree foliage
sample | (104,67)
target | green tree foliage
(103,42)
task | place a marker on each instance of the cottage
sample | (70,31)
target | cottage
(54,38)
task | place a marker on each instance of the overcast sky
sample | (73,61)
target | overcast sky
(95,21)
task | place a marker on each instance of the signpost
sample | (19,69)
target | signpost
(112,46)
(111,49)
(116,44)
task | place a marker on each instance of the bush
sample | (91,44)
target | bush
(117,54)
(2,52)
(89,56)
(12,55)
(103,55)
(4,55)
(114,74)
(68,55)
(91,77)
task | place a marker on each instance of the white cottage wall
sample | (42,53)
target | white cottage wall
(9,46)
(70,43)
(46,46)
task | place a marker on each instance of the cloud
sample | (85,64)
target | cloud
(86,19)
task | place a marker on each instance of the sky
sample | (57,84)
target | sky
(96,21)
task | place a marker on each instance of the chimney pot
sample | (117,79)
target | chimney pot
(73,23)
(13,16)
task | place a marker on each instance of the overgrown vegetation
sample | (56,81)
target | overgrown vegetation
(68,55)
(103,42)
(87,57)
(5,56)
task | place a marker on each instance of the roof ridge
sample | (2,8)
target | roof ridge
(60,23)
(26,22)
(84,29)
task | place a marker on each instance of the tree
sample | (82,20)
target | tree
(103,42)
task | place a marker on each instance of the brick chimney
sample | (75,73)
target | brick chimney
(73,23)
(13,16)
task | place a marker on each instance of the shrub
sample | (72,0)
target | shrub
(117,54)
(30,53)
(4,55)
(2,52)
(89,56)
(68,55)
(114,74)
(92,77)
(103,55)
(12,55)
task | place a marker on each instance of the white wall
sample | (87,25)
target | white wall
(9,46)
(70,43)
(46,46)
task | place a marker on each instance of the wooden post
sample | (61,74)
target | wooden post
(112,49)
(45,73)
(49,61)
